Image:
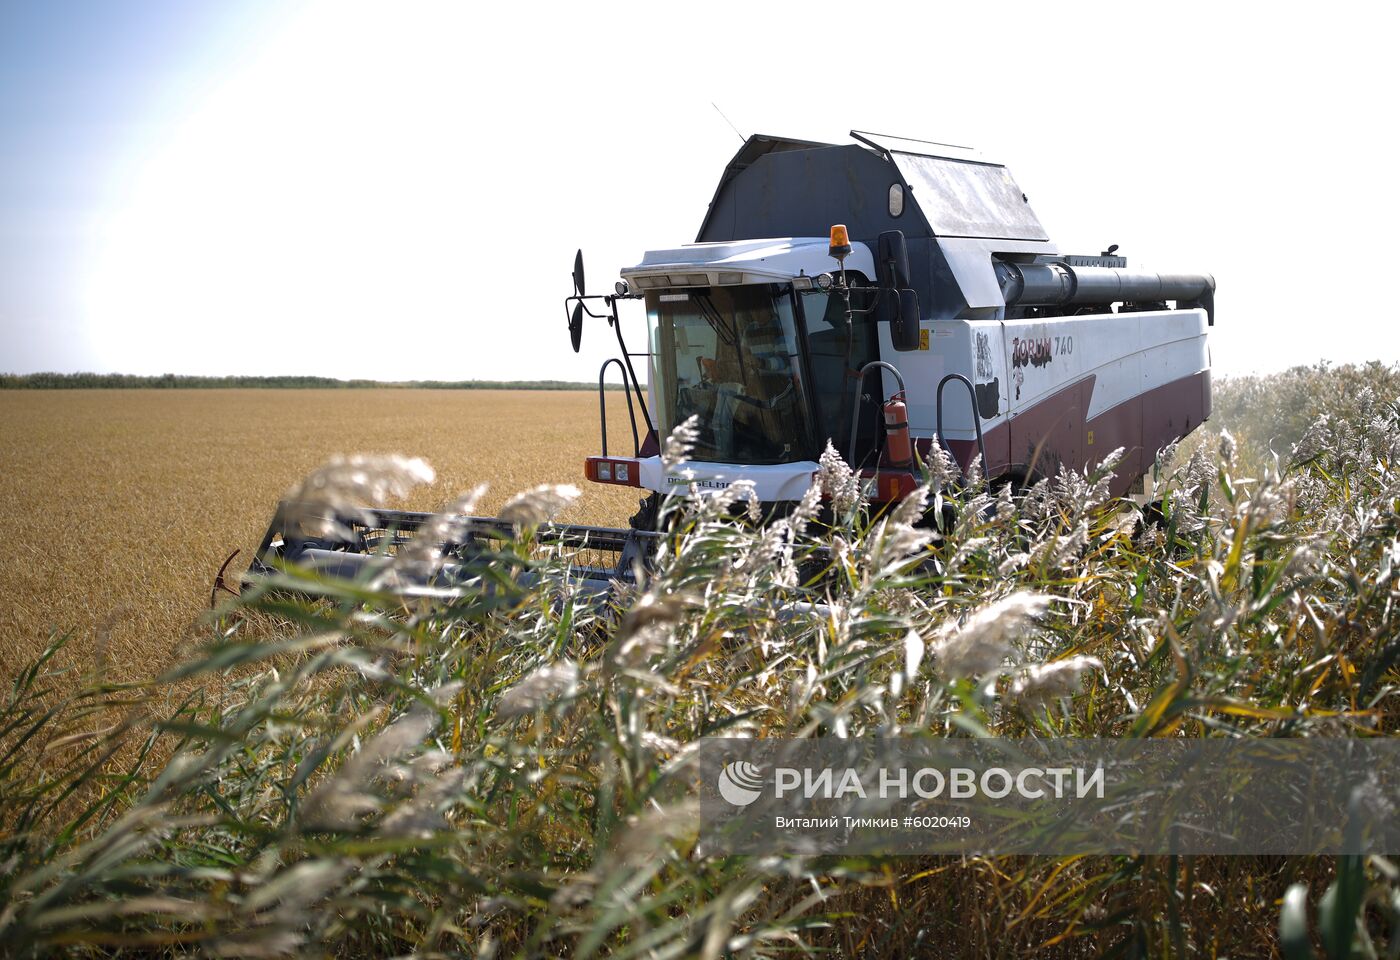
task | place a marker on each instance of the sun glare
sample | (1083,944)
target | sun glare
(314,197)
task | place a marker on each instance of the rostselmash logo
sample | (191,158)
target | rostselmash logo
(703,484)
(741,783)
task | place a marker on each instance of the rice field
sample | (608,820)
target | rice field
(123,503)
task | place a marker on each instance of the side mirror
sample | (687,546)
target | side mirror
(576,325)
(904,329)
(578,276)
(892,260)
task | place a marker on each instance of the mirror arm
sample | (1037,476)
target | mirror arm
(852,312)
(607,299)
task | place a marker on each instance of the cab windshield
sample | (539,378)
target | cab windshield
(728,355)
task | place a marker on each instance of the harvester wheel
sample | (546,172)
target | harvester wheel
(1154,514)
(647,510)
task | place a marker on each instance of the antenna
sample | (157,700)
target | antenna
(727,120)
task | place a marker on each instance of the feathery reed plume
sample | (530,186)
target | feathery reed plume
(983,642)
(422,557)
(676,450)
(541,687)
(1042,683)
(940,469)
(754,511)
(340,490)
(349,797)
(717,506)
(897,537)
(1228,448)
(535,506)
(1006,507)
(648,626)
(838,482)
(806,510)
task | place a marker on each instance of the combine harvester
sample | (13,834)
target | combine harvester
(834,293)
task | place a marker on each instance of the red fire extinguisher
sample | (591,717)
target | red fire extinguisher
(897,432)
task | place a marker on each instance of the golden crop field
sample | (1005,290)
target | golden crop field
(123,503)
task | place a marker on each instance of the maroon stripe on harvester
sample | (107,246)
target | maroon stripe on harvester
(1053,432)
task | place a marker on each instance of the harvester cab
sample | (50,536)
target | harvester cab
(763,347)
(836,291)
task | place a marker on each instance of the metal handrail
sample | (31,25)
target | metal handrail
(976,418)
(630,382)
(603,406)
(860,385)
(636,384)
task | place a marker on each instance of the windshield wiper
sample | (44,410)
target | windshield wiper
(728,335)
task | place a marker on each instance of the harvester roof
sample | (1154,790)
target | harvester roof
(780,187)
(954,209)
(744,261)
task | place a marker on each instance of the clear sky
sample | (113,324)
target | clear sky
(396,190)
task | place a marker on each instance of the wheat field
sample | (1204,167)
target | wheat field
(123,503)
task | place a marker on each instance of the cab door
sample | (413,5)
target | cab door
(837,350)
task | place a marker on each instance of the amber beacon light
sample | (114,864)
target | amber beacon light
(840,241)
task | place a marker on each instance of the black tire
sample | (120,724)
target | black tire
(1153,515)
(648,508)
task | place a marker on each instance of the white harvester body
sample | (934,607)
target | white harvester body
(1046,390)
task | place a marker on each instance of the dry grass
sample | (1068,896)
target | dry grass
(123,503)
